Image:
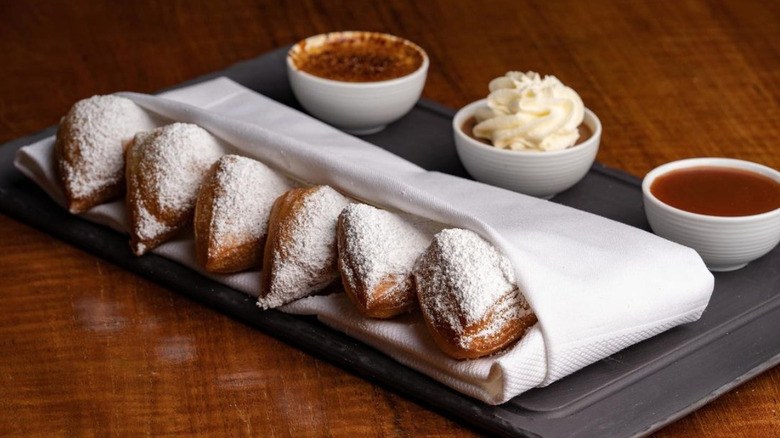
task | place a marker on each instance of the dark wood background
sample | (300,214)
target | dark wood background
(88,349)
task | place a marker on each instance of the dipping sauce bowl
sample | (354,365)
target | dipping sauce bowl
(728,210)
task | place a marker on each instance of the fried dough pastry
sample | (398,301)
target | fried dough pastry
(300,252)
(90,146)
(232,211)
(165,168)
(377,252)
(468,297)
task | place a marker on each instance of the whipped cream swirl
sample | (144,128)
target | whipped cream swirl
(526,111)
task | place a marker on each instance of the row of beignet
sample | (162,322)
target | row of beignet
(246,215)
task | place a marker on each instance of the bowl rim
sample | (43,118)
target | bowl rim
(420,71)
(732,163)
(468,110)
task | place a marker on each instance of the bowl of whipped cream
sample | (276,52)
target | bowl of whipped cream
(532,135)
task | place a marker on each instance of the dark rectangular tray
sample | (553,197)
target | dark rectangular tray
(630,393)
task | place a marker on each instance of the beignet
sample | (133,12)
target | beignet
(165,168)
(468,297)
(232,211)
(377,251)
(300,252)
(90,145)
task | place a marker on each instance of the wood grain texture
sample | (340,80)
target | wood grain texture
(88,349)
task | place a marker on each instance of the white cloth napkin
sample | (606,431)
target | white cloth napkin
(597,286)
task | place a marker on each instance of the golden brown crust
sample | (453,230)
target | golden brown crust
(67,154)
(468,297)
(300,257)
(140,195)
(391,297)
(164,170)
(481,341)
(284,210)
(202,221)
(225,256)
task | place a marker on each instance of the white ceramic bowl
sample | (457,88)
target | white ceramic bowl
(540,174)
(355,107)
(724,243)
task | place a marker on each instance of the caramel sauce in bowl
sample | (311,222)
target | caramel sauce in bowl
(357,81)
(727,210)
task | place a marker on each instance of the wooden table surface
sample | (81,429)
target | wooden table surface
(89,349)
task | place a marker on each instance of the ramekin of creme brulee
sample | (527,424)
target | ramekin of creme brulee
(357,81)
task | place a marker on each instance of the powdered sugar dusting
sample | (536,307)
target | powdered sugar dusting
(244,193)
(381,243)
(171,164)
(462,279)
(306,263)
(148,227)
(100,127)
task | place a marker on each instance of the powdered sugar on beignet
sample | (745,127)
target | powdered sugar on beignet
(377,251)
(300,253)
(468,296)
(165,168)
(232,212)
(90,146)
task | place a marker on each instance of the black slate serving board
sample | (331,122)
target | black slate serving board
(630,393)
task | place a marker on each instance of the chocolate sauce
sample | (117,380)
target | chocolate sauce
(471,122)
